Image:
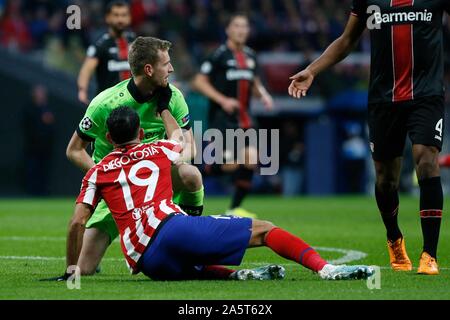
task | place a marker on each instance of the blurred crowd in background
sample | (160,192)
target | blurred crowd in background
(196,27)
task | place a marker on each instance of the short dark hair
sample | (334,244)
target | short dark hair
(123,124)
(144,50)
(235,15)
(115,3)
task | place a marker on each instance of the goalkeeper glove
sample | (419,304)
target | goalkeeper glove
(164,94)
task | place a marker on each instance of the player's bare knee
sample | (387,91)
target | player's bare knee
(388,174)
(427,168)
(426,159)
(86,266)
(190,177)
(89,271)
(386,185)
(260,229)
(268,226)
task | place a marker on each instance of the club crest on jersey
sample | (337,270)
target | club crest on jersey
(86,123)
(137,213)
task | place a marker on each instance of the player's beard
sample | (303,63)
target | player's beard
(118,30)
(242,40)
(239,41)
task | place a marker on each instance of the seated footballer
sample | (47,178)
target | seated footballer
(160,240)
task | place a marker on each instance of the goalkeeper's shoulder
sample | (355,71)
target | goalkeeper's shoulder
(176,92)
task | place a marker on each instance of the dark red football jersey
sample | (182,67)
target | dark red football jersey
(406,47)
(233,74)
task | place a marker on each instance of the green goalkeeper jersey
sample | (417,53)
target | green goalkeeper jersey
(93,125)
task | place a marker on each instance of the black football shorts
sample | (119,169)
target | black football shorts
(389,123)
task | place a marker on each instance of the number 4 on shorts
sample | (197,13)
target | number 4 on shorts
(439,129)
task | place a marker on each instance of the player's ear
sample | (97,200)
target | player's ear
(148,69)
(108,137)
(108,18)
(141,134)
(227,31)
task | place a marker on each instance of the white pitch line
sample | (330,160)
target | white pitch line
(49,258)
(16,238)
(349,255)
(20,238)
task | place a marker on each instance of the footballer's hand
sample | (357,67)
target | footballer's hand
(267,101)
(300,83)
(83,96)
(230,105)
(64,277)
(164,94)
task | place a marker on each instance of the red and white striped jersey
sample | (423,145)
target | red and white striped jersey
(136,184)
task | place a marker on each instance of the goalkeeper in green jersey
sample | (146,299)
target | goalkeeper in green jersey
(146,92)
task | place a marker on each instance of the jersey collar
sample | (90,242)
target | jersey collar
(136,94)
(125,148)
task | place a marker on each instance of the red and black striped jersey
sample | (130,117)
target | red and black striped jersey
(136,184)
(232,73)
(112,55)
(406,47)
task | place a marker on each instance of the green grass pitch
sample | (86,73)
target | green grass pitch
(32,246)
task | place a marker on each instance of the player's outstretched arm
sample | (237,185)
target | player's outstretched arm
(77,154)
(74,240)
(336,51)
(86,71)
(75,232)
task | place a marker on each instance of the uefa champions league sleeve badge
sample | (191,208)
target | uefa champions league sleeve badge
(86,123)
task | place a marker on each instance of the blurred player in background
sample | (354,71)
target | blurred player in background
(229,79)
(108,57)
(160,240)
(148,88)
(406,96)
(39,128)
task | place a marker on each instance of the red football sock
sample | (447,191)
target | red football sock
(293,248)
(216,272)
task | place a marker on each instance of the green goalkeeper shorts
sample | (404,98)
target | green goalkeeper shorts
(102,219)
